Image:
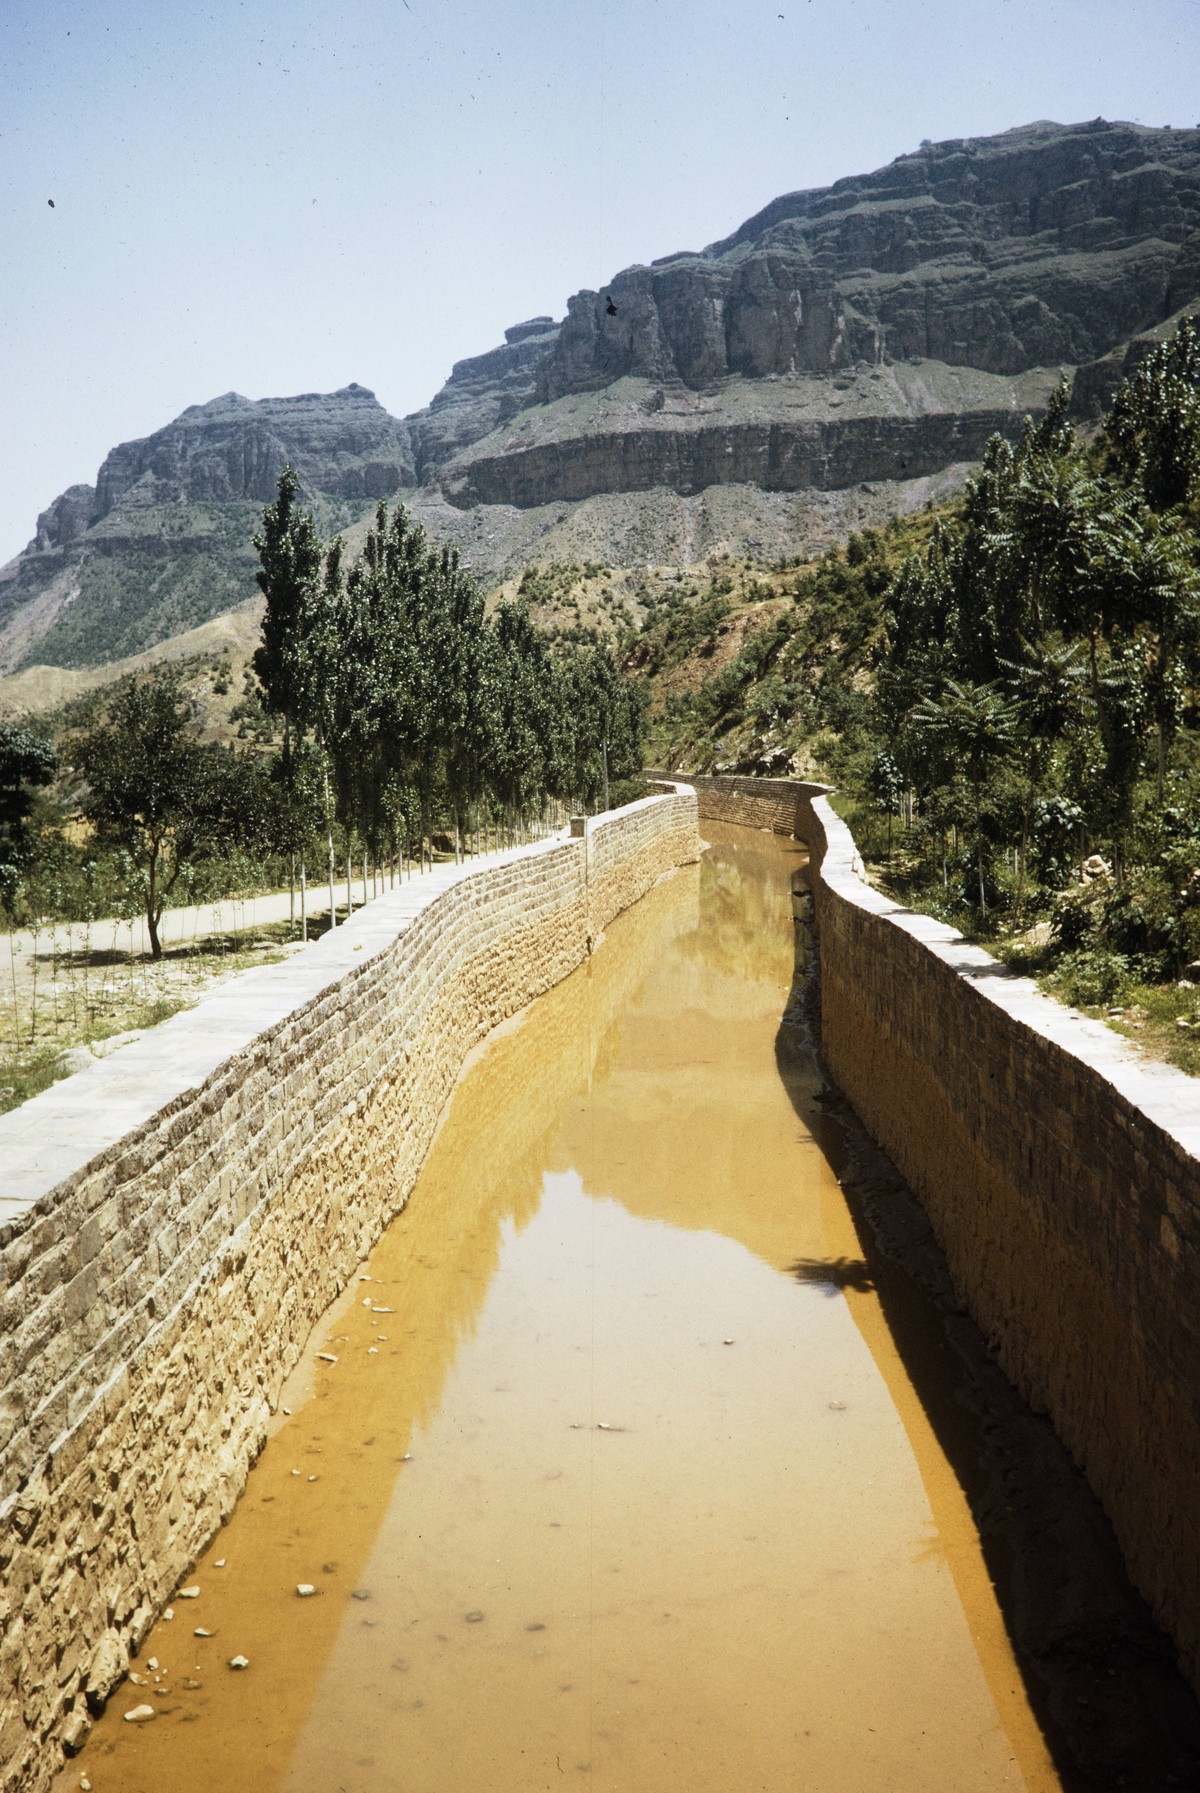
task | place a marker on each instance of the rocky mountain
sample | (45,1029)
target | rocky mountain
(162,541)
(845,353)
(882,326)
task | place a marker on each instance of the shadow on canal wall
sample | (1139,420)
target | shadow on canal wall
(1060,1178)
(174,1221)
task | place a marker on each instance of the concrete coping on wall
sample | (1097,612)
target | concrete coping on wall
(1168,1097)
(51,1140)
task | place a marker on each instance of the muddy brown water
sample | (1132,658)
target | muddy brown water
(618,1480)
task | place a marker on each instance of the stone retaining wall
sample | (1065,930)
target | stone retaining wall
(175,1219)
(774,803)
(1061,1173)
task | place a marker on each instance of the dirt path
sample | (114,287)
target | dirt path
(115,939)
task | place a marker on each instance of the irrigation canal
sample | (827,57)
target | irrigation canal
(606,1472)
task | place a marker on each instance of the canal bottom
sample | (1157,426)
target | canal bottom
(617,1479)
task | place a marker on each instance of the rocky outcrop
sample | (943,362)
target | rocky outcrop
(65,520)
(163,541)
(342,444)
(482,392)
(1014,258)
(1095,384)
(871,334)
(1046,244)
(778,457)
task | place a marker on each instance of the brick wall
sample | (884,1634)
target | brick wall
(1061,1174)
(174,1220)
(773,803)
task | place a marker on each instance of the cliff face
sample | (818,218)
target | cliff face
(162,541)
(1017,258)
(776,457)
(847,351)
(1003,253)
(342,445)
(482,393)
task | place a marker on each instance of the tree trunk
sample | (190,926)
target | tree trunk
(153,909)
(303,900)
(329,843)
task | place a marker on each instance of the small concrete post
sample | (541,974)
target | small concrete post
(580,830)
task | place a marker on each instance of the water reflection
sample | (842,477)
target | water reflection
(835,1274)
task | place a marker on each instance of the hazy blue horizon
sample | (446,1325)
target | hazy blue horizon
(275,199)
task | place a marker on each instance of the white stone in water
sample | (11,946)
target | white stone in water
(140,1715)
(372,1350)
(153,1662)
(239,1662)
(169,1613)
(201,1632)
(305,1589)
(286,1410)
(326,1357)
(192,1593)
(219,1564)
(85,1785)
(312,1478)
(295,1472)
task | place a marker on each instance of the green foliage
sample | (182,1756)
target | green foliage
(1015,679)
(192,563)
(1091,976)
(1065,605)
(799,686)
(1154,424)
(26,762)
(159,796)
(420,706)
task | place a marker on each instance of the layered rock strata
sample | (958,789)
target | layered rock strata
(873,332)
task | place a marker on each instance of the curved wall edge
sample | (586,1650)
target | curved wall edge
(175,1220)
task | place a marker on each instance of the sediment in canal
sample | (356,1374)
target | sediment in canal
(173,1221)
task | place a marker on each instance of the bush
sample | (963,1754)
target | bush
(1091,977)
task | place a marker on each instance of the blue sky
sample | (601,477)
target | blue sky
(280,198)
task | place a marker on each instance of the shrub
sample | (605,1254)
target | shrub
(1091,976)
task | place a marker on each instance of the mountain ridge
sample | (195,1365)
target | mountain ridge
(821,365)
